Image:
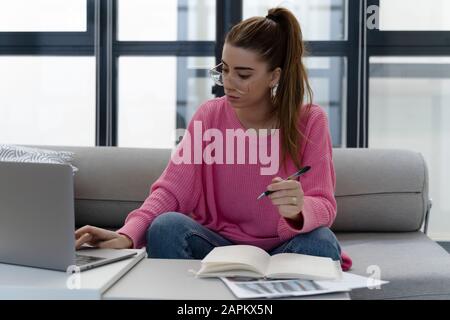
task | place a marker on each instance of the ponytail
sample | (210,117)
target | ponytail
(278,39)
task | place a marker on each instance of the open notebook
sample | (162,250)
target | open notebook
(251,261)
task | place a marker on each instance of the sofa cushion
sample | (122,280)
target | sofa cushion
(376,190)
(415,266)
(380,190)
(112,181)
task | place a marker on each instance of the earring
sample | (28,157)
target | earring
(273,92)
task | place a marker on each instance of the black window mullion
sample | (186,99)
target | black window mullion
(91,14)
(113,104)
(165,48)
(47,50)
(328,48)
(106,106)
(353,76)
(228,13)
(416,50)
(101,73)
(409,38)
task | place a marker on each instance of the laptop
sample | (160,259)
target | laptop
(37,220)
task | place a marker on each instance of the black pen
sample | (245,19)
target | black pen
(298,173)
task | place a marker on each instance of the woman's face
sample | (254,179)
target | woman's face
(246,78)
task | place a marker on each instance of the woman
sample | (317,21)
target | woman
(194,207)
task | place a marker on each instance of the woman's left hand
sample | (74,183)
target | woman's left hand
(288,197)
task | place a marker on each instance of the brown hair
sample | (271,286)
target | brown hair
(278,39)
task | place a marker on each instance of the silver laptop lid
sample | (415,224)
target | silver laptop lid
(37,215)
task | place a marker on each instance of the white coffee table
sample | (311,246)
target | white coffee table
(170,279)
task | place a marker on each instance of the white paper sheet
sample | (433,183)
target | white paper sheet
(246,288)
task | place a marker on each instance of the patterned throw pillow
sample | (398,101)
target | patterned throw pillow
(14,153)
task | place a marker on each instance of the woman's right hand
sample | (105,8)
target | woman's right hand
(101,238)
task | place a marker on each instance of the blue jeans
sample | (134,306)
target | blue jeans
(173,235)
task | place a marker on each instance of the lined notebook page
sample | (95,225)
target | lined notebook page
(239,254)
(314,268)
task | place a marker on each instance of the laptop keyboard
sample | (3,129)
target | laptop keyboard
(82,260)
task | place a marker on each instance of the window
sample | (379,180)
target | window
(158,95)
(324,25)
(414,15)
(43,15)
(319,19)
(162,71)
(168,20)
(48,72)
(328,80)
(47,100)
(172,81)
(409,109)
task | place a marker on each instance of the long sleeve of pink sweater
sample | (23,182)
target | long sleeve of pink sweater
(222,196)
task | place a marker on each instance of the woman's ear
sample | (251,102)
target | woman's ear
(275,77)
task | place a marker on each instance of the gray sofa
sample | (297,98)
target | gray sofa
(382,198)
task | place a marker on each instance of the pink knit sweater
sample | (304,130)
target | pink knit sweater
(222,197)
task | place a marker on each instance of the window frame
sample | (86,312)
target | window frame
(116,49)
(399,43)
(348,49)
(100,40)
(49,43)
(55,44)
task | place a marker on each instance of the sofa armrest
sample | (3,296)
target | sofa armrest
(427,216)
